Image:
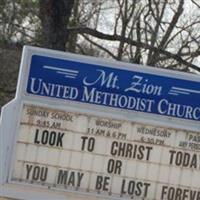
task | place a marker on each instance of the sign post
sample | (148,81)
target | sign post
(82,128)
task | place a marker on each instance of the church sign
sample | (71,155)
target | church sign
(114,87)
(84,128)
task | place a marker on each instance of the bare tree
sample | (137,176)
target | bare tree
(161,33)
(153,32)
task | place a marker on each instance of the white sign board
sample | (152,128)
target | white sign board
(73,151)
(68,141)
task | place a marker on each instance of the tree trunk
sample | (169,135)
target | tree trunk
(54,15)
(72,40)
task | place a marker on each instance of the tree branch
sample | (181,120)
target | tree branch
(115,37)
(168,32)
(194,2)
(100,47)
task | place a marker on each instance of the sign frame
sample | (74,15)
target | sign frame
(57,190)
(21,98)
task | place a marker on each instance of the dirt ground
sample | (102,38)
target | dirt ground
(9,68)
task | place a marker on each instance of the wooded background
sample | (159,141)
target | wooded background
(158,33)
